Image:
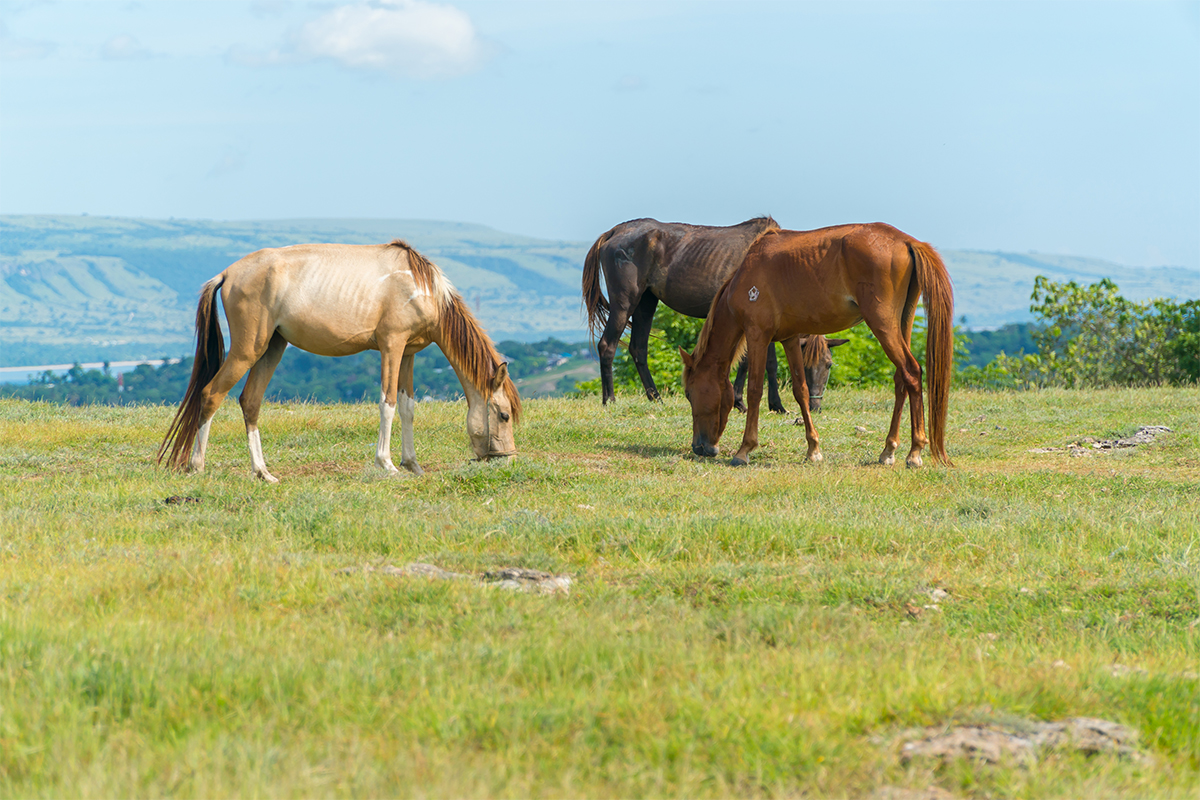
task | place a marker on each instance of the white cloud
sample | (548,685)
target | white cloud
(122,48)
(13,49)
(410,37)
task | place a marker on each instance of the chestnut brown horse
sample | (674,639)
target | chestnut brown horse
(335,300)
(805,282)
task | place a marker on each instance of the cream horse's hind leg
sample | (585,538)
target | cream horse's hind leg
(231,371)
(251,403)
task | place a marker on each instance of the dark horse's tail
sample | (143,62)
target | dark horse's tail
(938,293)
(593,297)
(210,352)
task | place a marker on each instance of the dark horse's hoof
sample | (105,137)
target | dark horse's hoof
(740,405)
(779,409)
(737,462)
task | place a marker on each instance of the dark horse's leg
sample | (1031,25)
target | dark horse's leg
(639,342)
(739,382)
(773,400)
(621,278)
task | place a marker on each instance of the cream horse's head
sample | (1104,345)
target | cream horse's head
(490,418)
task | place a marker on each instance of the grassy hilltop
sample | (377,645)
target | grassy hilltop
(779,629)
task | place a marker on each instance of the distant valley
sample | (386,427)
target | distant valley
(81,288)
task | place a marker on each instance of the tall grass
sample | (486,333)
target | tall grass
(755,631)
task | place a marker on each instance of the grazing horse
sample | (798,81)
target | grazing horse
(798,282)
(645,261)
(336,300)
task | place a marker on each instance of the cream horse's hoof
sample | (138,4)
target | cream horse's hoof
(413,467)
(266,477)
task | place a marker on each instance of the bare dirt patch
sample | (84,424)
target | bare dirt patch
(1088,446)
(512,578)
(1023,743)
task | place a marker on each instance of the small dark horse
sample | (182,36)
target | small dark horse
(794,283)
(645,261)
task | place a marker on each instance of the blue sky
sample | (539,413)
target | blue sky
(1058,127)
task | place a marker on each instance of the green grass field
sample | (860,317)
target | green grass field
(754,631)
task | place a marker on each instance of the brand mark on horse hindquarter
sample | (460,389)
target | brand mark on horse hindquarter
(753,293)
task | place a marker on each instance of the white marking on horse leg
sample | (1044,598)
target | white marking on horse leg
(196,463)
(408,449)
(383,448)
(258,464)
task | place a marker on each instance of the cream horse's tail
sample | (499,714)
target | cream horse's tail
(210,352)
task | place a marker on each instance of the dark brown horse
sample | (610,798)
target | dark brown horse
(798,282)
(645,261)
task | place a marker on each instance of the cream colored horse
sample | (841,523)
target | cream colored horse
(335,300)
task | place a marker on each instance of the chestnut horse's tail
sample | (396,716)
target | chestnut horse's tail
(593,297)
(938,293)
(210,352)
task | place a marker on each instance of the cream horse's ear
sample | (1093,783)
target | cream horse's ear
(500,376)
(687,358)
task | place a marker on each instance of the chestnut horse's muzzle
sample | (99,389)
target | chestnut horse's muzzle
(704,449)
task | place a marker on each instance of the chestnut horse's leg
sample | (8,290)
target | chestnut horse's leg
(408,404)
(739,382)
(908,384)
(391,355)
(795,359)
(251,403)
(639,342)
(756,365)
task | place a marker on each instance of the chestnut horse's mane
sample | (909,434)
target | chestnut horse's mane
(470,348)
(707,328)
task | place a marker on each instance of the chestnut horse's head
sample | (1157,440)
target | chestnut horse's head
(708,389)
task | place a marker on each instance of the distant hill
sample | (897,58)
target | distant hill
(107,288)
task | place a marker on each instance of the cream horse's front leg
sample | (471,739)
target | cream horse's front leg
(408,407)
(383,446)
(397,395)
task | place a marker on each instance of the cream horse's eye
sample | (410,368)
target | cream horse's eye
(504,416)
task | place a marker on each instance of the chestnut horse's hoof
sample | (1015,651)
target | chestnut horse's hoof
(738,462)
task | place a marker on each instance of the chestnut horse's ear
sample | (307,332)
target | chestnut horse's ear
(836,342)
(501,374)
(687,357)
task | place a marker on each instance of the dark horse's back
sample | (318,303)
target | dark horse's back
(682,265)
